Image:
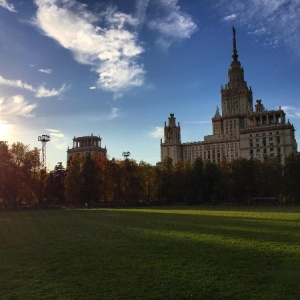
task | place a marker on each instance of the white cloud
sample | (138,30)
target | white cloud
(47,71)
(118,96)
(230,17)
(58,139)
(171,23)
(114,113)
(292,111)
(56,133)
(7,5)
(275,20)
(92,87)
(157,132)
(16,106)
(112,50)
(140,12)
(40,91)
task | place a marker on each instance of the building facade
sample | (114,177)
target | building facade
(86,144)
(240,131)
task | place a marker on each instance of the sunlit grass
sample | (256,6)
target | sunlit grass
(162,253)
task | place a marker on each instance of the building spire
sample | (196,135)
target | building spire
(234,51)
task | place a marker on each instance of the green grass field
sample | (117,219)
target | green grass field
(201,252)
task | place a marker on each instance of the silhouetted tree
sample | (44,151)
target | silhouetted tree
(74,181)
(292,177)
(54,190)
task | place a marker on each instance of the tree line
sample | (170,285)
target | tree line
(94,181)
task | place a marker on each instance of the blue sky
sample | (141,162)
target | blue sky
(119,68)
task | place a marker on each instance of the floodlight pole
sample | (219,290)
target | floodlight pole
(126,155)
(44,139)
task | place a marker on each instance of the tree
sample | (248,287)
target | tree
(55,189)
(6,175)
(292,177)
(244,176)
(74,181)
(211,181)
(165,181)
(89,176)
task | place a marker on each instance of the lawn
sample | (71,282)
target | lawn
(201,252)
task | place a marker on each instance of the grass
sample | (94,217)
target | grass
(199,252)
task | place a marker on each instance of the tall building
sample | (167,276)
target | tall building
(239,131)
(86,144)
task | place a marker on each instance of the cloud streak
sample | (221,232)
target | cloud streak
(47,71)
(276,21)
(7,5)
(40,92)
(16,106)
(172,24)
(292,111)
(58,139)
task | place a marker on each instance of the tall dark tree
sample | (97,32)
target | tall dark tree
(54,190)
(165,181)
(198,181)
(244,179)
(6,175)
(211,182)
(90,184)
(292,177)
(74,181)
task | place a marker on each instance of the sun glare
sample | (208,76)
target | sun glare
(4,129)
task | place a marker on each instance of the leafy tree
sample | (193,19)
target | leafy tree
(270,178)
(244,183)
(211,181)
(198,180)
(179,189)
(74,181)
(89,176)
(6,175)
(165,181)
(54,190)
(292,177)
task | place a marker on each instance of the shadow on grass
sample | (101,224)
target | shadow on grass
(149,254)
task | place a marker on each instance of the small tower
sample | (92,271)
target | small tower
(236,95)
(171,147)
(217,122)
(86,144)
(172,131)
(44,139)
(126,155)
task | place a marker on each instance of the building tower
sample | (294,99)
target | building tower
(86,144)
(236,95)
(44,139)
(171,146)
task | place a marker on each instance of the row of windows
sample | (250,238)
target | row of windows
(264,134)
(264,151)
(209,147)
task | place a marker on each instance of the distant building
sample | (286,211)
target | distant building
(238,131)
(86,144)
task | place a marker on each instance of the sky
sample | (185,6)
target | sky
(118,68)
